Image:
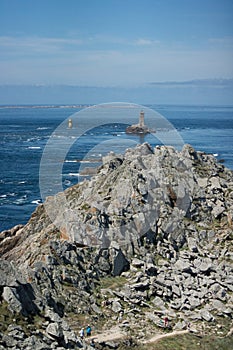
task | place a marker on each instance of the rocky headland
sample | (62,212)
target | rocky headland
(148,237)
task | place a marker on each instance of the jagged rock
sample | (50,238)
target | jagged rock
(16,332)
(11,296)
(203,265)
(222,308)
(52,316)
(176,290)
(160,219)
(215,183)
(182,265)
(137,263)
(96,309)
(120,264)
(71,337)
(151,269)
(159,303)
(55,330)
(20,299)
(180,325)
(194,302)
(141,285)
(35,343)
(109,345)
(218,210)
(104,265)
(206,315)
(202,182)
(9,275)
(9,342)
(192,244)
(116,306)
(152,317)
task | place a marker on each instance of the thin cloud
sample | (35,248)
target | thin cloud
(85,61)
(196,83)
(225,41)
(38,44)
(146,42)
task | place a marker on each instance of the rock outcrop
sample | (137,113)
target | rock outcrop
(148,236)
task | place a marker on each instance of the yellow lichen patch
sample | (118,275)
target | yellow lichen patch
(64,234)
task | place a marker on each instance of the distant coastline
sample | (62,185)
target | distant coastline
(45,106)
(86,105)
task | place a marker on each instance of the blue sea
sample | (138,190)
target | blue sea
(26,130)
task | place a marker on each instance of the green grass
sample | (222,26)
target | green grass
(187,342)
(7,318)
(112,282)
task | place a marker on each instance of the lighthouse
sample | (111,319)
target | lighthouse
(139,128)
(141,120)
(70,123)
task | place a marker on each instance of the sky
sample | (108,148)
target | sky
(163,48)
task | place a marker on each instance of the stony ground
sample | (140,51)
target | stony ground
(159,223)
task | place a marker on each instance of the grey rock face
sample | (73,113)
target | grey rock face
(157,221)
(16,292)
(206,315)
(55,330)
(9,275)
(11,296)
(120,264)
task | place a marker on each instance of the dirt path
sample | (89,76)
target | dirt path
(117,333)
(110,335)
(161,336)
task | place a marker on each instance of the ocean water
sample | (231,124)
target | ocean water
(25,131)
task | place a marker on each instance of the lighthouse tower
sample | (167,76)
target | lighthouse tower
(141,120)
(70,123)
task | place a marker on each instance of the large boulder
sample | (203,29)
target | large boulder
(120,264)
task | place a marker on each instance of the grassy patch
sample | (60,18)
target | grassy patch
(112,282)
(7,318)
(189,342)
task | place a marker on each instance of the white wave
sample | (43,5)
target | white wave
(71,161)
(96,154)
(215,154)
(34,147)
(32,139)
(73,174)
(37,201)
(42,128)
(7,195)
(59,136)
(67,182)
(20,201)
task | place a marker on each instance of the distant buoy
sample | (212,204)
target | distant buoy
(70,124)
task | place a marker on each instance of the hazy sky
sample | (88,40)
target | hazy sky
(118,43)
